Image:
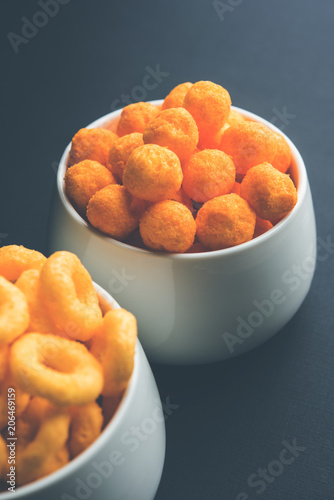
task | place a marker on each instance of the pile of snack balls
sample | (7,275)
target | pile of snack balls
(66,359)
(191,175)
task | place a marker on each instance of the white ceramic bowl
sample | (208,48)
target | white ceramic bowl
(118,465)
(201,307)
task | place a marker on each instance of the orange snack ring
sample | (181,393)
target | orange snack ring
(60,370)
(261,227)
(153,173)
(32,460)
(182,197)
(225,221)
(168,226)
(271,193)
(91,144)
(114,347)
(120,152)
(210,105)
(14,312)
(83,180)
(30,420)
(69,296)
(176,96)
(208,174)
(15,259)
(236,188)
(234,117)
(283,156)
(135,117)
(249,144)
(86,425)
(174,129)
(115,212)
(29,284)
(110,406)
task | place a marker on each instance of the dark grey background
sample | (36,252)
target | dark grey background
(275,57)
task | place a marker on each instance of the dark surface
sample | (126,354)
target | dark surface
(232,417)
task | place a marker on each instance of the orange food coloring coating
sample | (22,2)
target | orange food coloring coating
(83,180)
(234,117)
(225,221)
(135,117)
(210,105)
(91,144)
(176,96)
(283,156)
(174,129)
(182,197)
(15,259)
(168,226)
(261,227)
(236,188)
(113,211)
(120,152)
(249,144)
(271,193)
(153,173)
(208,174)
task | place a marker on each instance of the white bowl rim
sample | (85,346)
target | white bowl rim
(196,256)
(73,466)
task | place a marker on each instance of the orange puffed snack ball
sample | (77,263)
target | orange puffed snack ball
(249,144)
(175,129)
(135,117)
(15,259)
(210,105)
(208,174)
(176,96)
(168,226)
(261,227)
(225,221)
(113,211)
(234,117)
(283,156)
(271,193)
(83,180)
(153,173)
(120,152)
(91,144)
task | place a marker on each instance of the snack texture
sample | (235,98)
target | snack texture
(91,144)
(48,323)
